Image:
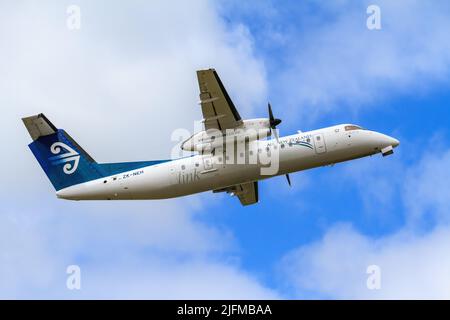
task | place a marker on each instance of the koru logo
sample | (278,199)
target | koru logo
(71,158)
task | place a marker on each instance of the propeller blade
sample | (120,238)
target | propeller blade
(275,133)
(273,121)
(288,179)
(270,113)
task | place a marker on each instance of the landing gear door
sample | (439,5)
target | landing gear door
(319,143)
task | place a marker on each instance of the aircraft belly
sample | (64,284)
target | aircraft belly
(224,176)
(146,183)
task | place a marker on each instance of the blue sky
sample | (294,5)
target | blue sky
(417,114)
(317,63)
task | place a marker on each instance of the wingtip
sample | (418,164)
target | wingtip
(206,70)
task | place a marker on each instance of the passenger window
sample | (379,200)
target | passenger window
(183,167)
(318,138)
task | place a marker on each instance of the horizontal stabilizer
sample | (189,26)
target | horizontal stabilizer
(39,126)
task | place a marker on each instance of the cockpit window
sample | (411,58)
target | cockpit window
(352,127)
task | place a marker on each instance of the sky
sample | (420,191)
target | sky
(125,81)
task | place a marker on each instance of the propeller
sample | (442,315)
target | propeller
(288,179)
(273,122)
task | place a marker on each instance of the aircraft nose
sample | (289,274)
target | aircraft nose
(384,141)
(395,142)
(389,141)
(387,144)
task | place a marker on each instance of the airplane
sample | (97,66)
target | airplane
(215,165)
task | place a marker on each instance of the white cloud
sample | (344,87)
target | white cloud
(427,189)
(124,251)
(119,86)
(334,60)
(177,280)
(126,68)
(414,261)
(412,266)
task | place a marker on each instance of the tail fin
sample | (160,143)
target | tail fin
(64,162)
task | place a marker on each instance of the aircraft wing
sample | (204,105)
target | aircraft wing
(218,110)
(246,192)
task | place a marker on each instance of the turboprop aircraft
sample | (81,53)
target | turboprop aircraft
(230,155)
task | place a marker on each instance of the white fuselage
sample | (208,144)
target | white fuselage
(201,173)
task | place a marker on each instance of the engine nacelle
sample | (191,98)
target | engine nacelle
(253,129)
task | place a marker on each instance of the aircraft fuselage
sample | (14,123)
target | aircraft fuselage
(204,172)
